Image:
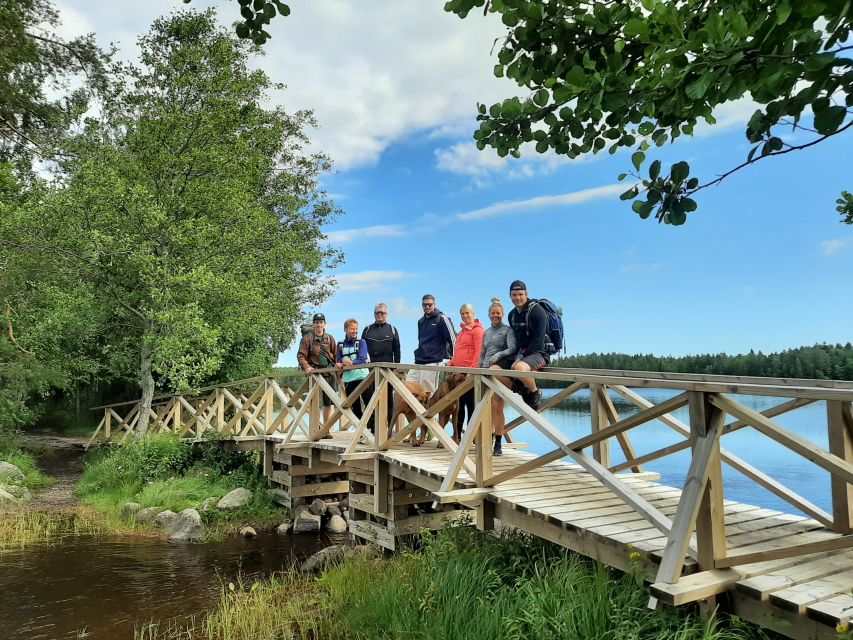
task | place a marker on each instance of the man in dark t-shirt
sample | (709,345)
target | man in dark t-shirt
(530,323)
(383,345)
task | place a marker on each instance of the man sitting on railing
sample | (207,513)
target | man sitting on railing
(317,350)
(530,323)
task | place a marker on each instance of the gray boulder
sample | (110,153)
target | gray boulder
(333,511)
(284,527)
(336,524)
(233,500)
(146,515)
(164,520)
(248,532)
(209,503)
(324,558)
(186,526)
(9,472)
(336,554)
(318,507)
(6,498)
(304,521)
(21,494)
(130,509)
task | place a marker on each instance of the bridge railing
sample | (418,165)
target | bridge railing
(289,408)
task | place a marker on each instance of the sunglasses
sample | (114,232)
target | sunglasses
(380,313)
(427,305)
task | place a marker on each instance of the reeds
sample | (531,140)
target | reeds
(460,585)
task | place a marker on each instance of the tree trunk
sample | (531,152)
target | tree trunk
(146,381)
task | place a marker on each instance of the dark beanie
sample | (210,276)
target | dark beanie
(517,285)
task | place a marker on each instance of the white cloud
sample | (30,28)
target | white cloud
(830,247)
(373,73)
(369,280)
(540,202)
(377,231)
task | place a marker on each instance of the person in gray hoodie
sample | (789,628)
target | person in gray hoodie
(498,352)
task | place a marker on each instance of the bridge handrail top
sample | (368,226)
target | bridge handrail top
(712,383)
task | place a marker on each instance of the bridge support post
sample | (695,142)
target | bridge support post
(600,450)
(483,437)
(840,424)
(486,516)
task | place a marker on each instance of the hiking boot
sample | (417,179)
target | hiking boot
(533,399)
(328,436)
(497,451)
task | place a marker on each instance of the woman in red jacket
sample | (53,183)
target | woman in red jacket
(469,342)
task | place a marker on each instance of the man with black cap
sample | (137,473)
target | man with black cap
(317,350)
(530,323)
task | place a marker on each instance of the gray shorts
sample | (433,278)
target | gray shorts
(536,361)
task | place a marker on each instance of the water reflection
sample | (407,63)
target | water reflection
(107,586)
(572,418)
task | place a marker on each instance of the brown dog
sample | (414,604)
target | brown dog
(402,408)
(450,412)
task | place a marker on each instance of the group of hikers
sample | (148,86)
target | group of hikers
(524,343)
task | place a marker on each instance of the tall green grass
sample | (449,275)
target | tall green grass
(12,450)
(461,584)
(159,470)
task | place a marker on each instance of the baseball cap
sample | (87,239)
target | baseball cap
(517,285)
(318,317)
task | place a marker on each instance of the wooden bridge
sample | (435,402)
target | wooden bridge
(790,573)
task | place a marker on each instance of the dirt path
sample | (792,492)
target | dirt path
(62,458)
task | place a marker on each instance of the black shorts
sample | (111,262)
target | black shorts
(505,362)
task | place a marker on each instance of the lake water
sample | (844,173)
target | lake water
(83,587)
(572,418)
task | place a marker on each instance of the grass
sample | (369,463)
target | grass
(19,529)
(462,584)
(161,471)
(13,451)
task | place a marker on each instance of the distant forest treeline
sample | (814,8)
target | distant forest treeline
(822,361)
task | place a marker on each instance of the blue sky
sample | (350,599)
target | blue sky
(764,264)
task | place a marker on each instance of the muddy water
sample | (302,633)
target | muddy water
(104,588)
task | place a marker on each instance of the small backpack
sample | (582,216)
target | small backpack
(555,332)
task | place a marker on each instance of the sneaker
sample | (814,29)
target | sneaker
(497,451)
(328,436)
(533,399)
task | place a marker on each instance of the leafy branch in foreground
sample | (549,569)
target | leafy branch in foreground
(607,76)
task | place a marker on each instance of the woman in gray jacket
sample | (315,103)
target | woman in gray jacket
(498,352)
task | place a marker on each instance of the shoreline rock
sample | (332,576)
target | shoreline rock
(235,499)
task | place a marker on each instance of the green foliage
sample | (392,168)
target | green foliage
(622,75)
(11,451)
(162,471)
(256,15)
(181,236)
(845,207)
(822,361)
(34,63)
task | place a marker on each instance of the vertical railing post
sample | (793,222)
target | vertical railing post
(840,426)
(600,450)
(268,406)
(705,420)
(177,423)
(220,410)
(314,411)
(483,437)
(108,419)
(380,414)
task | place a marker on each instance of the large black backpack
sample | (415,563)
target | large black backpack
(556,333)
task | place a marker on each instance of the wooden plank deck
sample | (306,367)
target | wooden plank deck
(562,502)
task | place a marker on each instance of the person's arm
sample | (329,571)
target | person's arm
(340,357)
(448,333)
(537,320)
(478,344)
(362,353)
(481,364)
(302,355)
(511,346)
(396,346)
